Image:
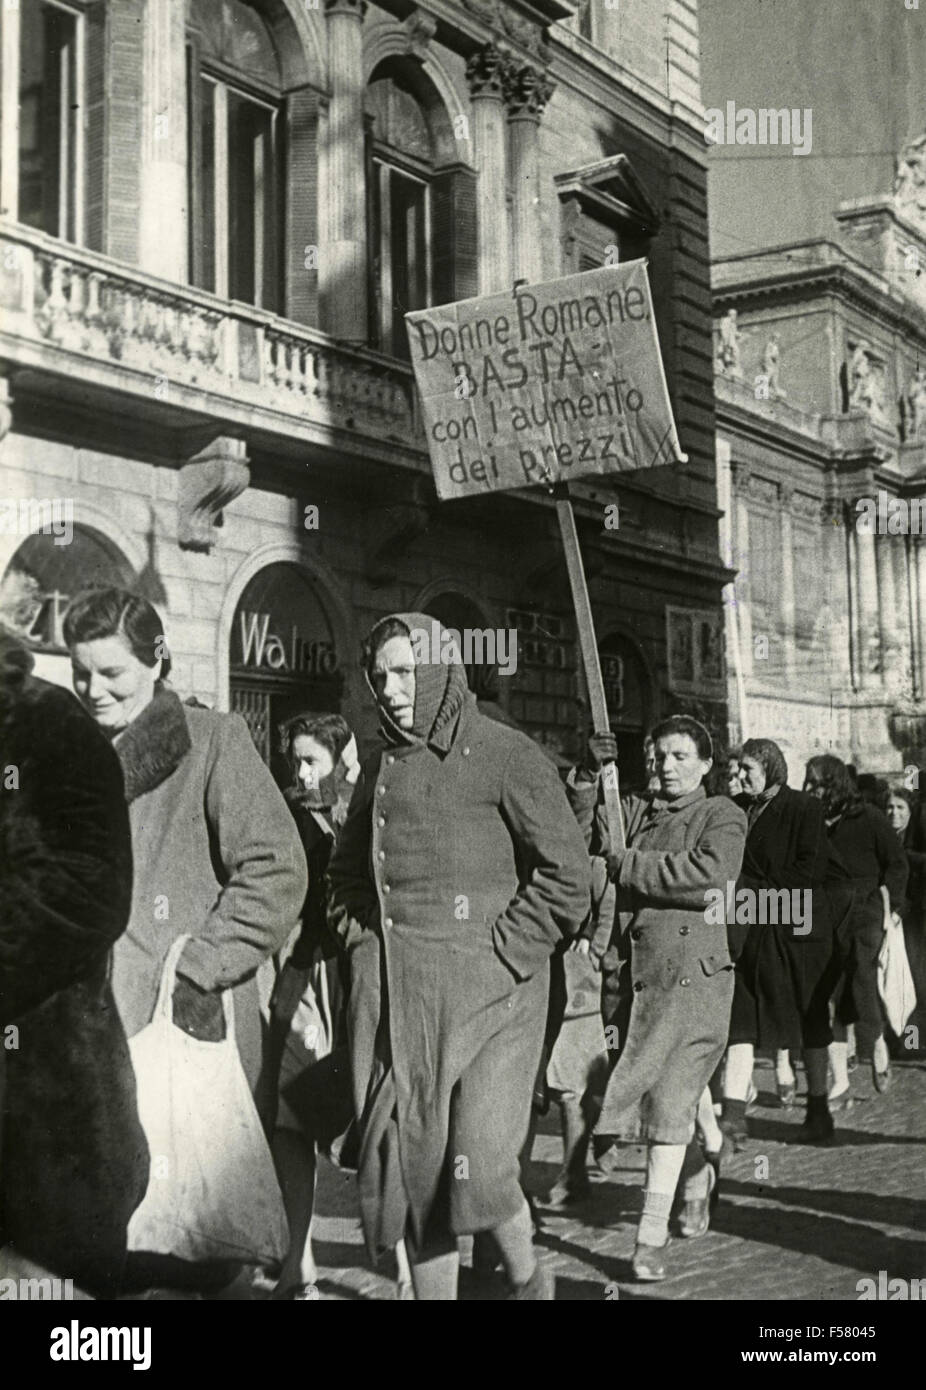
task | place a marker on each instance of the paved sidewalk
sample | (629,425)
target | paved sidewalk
(794,1222)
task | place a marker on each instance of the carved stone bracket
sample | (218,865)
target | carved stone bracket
(208,483)
(420,28)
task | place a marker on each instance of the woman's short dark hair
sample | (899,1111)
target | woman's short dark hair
(839,789)
(684,724)
(905,794)
(330,730)
(771,758)
(96,613)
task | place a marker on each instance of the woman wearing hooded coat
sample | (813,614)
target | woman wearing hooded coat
(217,855)
(73,1157)
(457,871)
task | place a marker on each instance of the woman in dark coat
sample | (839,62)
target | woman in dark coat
(217,856)
(73,1158)
(783,970)
(683,849)
(457,871)
(872,856)
(903,812)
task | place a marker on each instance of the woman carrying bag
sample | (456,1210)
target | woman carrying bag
(217,857)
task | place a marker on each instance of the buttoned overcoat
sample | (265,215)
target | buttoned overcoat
(456,873)
(682,976)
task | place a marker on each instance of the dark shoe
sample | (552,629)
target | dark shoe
(737,1133)
(649,1265)
(540,1287)
(816,1129)
(695,1216)
(882,1079)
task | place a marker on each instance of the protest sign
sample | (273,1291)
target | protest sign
(545,384)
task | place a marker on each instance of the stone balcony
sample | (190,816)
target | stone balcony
(183,357)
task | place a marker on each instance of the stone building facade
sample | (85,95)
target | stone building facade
(213,215)
(820,361)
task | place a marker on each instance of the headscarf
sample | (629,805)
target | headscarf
(772,761)
(440,683)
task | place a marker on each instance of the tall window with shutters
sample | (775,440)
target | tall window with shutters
(235,153)
(52,110)
(421,204)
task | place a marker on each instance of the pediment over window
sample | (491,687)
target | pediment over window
(610,192)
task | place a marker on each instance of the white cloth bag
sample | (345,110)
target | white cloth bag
(212,1192)
(895,981)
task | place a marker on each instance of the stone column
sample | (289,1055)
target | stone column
(839,650)
(527,91)
(740,478)
(919,548)
(887,611)
(343,258)
(904,631)
(867,624)
(9,112)
(485,73)
(788,642)
(162,214)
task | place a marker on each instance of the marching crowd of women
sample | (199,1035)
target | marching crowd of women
(413,958)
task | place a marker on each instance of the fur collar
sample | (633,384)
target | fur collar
(154,744)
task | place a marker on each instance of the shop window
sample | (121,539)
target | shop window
(235,155)
(51,119)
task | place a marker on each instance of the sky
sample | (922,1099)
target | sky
(858,65)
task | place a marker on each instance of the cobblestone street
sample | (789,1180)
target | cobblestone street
(821,1220)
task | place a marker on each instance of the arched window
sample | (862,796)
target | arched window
(421,201)
(52,102)
(235,152)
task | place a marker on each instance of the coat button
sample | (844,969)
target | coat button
(391,759)
(382,854)
(685,980)
(683,931)
(466,752)
(381,821)
(381,791)
(638,985)
(388,922)
(636,934)
(386,888)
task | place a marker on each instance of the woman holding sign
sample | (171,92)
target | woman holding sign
(681,848)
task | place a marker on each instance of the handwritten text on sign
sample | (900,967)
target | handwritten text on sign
(553,382)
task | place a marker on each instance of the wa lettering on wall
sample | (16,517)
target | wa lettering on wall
(543,385)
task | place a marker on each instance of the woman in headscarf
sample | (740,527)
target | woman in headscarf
(458,870)
(902,809)
(872,857)
(683,849)
(217,857)
(783,966)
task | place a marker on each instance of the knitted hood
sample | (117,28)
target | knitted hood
(440,682)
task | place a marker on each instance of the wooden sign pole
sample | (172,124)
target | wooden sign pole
(590,661)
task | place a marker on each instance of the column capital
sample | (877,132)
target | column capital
(527,90)
(485,73)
